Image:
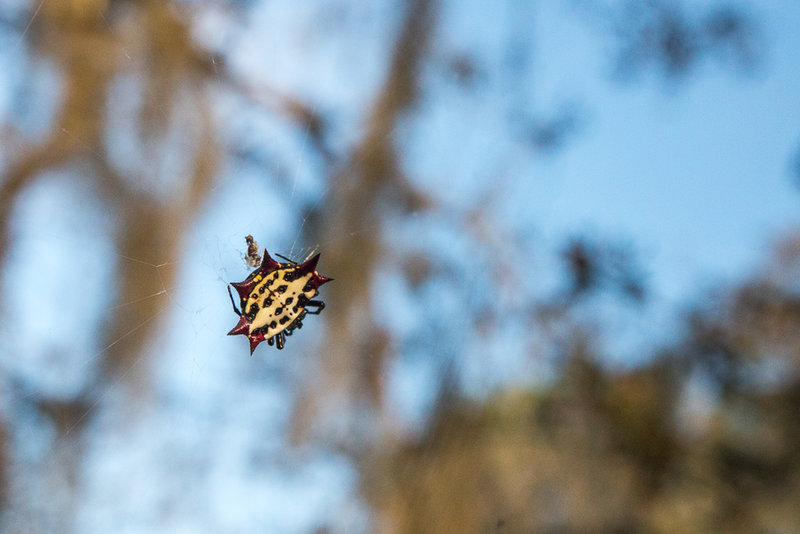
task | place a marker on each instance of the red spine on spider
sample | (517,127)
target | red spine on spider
(275,299)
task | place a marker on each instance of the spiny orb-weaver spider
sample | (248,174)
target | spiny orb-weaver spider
(275,299)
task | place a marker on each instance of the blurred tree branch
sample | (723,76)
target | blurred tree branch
(82,38)
(370,181)
(596,450)
(604,450)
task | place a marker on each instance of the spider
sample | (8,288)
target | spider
(275,299)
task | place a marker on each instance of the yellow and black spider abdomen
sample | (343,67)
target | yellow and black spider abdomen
(275,299)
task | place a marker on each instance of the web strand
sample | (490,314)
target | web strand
(28,26)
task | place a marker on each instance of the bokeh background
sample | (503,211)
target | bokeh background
(564,236)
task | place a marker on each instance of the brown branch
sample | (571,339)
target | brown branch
(152,233)
(308,119)
(207,155)
(20,175)
(372,179)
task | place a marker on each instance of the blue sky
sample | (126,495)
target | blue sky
(693,175)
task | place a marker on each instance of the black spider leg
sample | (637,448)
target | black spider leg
(280,340)
(297,324)
(318,304)
(233,302)
(281,256)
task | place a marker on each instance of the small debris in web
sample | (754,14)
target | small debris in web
(253,257)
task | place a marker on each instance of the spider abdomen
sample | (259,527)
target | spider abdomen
(274,306)
(275,298)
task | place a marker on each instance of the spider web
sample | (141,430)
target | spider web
(203,387)
(189,348)
(225,413)
(192,314)
(210,424)
(190,358)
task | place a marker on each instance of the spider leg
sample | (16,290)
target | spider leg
(297,324)
(318,304)
(281,340)
(233,302)
(281,256)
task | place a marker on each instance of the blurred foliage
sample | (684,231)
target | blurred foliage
(593,450)
(607,451)
(675,38)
